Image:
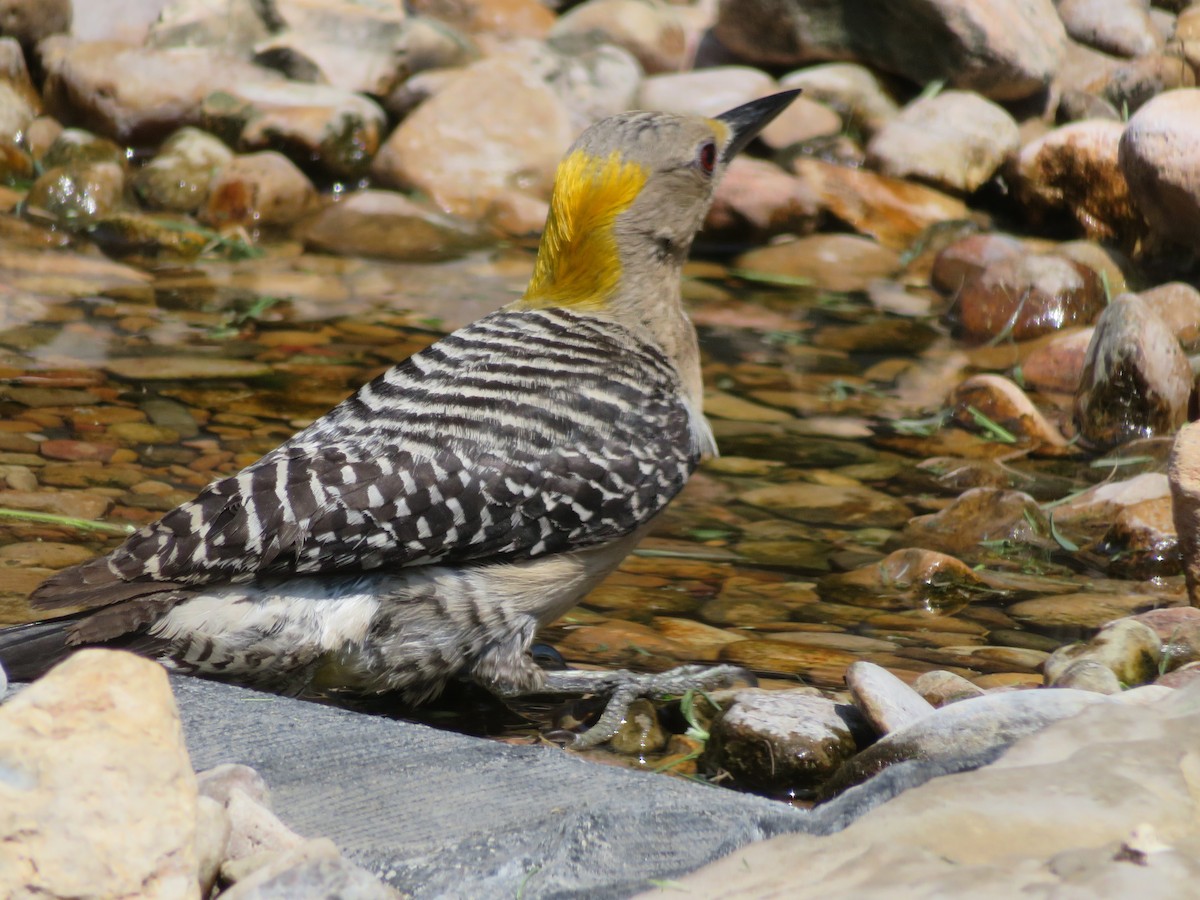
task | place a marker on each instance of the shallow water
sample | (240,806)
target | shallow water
(123,391)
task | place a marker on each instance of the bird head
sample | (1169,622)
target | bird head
(630,196)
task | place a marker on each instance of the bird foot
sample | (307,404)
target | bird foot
(624,687)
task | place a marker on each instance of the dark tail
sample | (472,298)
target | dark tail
(27,651)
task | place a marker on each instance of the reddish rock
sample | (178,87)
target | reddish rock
(1024,297)
(76,450)
(969,256)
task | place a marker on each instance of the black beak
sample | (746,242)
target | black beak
(749,119)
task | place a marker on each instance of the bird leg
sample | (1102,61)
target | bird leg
(623,687)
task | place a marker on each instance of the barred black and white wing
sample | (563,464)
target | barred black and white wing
(529,432)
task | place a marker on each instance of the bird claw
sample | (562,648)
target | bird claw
(624,687)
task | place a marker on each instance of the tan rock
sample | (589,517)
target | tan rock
(756,200)
(704,92)
(1073,170)
(462,159)
(998,400)
(851,90)
(892,211)
(652,31)
(955,140)
(388,225)
(1160,157)
(1184,474)
(1057,365)
(837,262)
(95,758)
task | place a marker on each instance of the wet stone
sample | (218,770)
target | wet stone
(1142,542)
(818,665)
(44,554)
(1082,610)
(640,732)
(969,256)
(822,504)
(906,579)
(782,740)
(75,195)
(258,189)
(983,516)
(1136,379)
(183,368)
(76,147)
(1025,297)
(1129,648)
(997,400)
(178,177)
(388,225)
(840,262)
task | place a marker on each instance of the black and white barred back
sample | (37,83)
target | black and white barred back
(527,433)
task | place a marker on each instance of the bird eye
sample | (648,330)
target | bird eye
(707,157)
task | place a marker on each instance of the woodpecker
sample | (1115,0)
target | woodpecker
(427,526)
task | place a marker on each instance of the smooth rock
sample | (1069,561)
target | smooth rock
(940,688)
(957,262)
(461,159)
(136,94)
(1136,379)
(894,212)
(1073,171)
(388,225)
(1089,514)
(848,506)
(963,729)
(955,140)
(781,740)
(1081,610)
(1140,80)
(1085,674)
(1131,649)
(888,703)
(94,757)
(1121,27)
(353,46)
(757,200)
(233,26)
(1057,365)
(1065,812)
(981,515)
(258,190)
(1178,305)
(906,579)
(838,262)
(313,124)
(183,368)
(1025,297)
(178,177)
(853,91)
(76,195)
(1160,159)
(1002,402)
(254,828)
(1003,56)
(653,32)
(704,92)
(640,732)
(1142,542)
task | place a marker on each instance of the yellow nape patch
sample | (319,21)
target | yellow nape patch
(577,262)
(720,131)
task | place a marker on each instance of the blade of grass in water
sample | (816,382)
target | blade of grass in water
(773,278)
(995,430)
(68,521)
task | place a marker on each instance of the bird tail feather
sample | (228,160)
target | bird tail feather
(28,651)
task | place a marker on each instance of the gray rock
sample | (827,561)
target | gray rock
(964,729)
(1136,379)
(19,100)
(232,26)
(1004,54)
(888,703)
(852,90)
